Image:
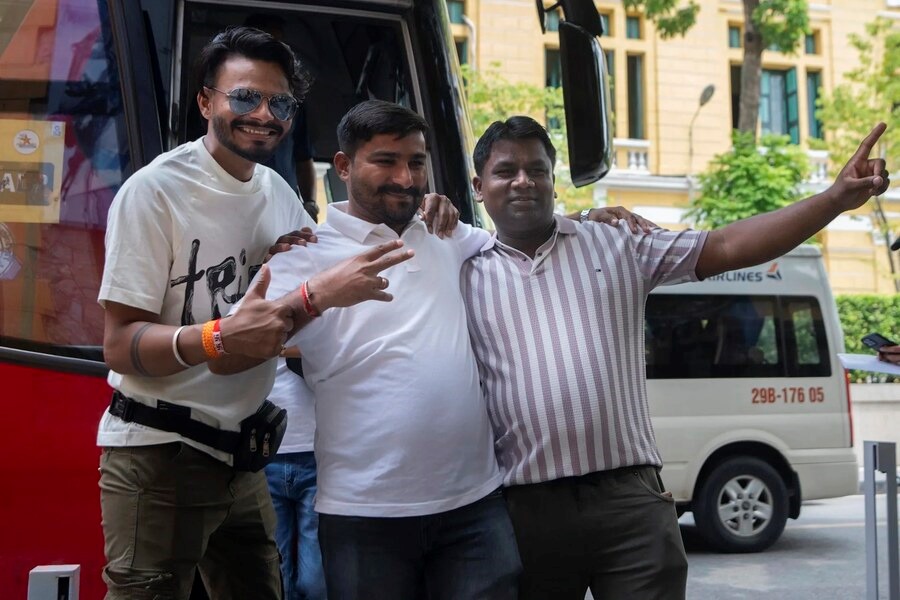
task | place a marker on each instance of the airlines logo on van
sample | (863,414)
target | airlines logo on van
(751,276)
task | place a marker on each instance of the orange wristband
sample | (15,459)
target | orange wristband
(206,336)
(217,338)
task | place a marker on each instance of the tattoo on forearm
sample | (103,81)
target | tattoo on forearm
(135,353)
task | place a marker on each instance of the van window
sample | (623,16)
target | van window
(693,336)
(807,346)
(62,158)
(701,336)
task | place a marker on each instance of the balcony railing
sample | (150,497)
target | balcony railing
(818,166)
(631,156)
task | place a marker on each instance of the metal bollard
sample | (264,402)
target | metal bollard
(54,582)
(881,456)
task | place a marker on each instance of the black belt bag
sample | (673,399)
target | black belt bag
(251,448)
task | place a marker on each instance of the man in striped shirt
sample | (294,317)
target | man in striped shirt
(556,313)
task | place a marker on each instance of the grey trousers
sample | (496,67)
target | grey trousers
(615,532)
(169,510)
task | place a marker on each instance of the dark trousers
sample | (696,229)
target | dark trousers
(169,510)
(615,532)
(467,553)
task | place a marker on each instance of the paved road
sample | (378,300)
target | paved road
(820,556)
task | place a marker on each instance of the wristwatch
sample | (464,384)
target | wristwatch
(584,215)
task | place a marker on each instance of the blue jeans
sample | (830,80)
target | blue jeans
(292,483)
(467,553)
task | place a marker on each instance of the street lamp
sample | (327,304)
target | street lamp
(705,97)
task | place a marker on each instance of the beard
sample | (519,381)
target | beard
(256,153)
(372,201)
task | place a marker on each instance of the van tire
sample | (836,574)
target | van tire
(762,523)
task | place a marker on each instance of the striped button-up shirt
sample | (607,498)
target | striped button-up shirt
(560,345)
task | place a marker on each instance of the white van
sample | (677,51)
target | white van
(750,404)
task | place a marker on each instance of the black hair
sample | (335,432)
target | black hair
(514,128)
(375,117)
(255,45)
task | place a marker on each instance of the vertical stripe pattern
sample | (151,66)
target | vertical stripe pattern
(560,345)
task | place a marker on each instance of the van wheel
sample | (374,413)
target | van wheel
(742,506)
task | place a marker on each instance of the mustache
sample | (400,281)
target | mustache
(414,191)
(270,125)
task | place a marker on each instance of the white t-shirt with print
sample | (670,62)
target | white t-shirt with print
(183,240)
(401,425)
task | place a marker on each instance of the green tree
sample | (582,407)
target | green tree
(767,23)
(869,93)
(748,180)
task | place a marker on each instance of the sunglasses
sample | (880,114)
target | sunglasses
(246,100)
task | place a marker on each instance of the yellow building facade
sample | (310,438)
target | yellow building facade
(662,133)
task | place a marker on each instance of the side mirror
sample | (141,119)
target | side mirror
(585,84)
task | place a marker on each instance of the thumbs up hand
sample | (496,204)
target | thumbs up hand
(259,327)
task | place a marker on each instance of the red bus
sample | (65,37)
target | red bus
(90,91)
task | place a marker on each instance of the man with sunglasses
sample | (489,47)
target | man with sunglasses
(185,236)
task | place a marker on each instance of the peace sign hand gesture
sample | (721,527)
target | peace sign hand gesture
(357,279)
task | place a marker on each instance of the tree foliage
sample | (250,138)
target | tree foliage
(748,180)
(782,23)
(870,93)
(864,314)
(671,19)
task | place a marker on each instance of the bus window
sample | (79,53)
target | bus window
(703,336)
(62,158)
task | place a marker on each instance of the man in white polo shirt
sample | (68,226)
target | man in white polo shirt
(408,485)
(556,315)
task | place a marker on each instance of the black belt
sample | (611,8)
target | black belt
(174,419)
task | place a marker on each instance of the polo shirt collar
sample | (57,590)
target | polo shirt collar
(564,226)
(358,230)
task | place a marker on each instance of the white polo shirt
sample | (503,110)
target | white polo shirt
(402,427)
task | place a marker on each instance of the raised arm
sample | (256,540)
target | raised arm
(763,237)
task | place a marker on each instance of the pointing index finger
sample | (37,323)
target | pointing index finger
(865,148)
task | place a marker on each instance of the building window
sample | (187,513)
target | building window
(734,36)
(636,96)
(462,51)
(812,44)
(778,110)
(813,85)
(611,70)
(457,9)
(552,68)
(633,28)
(604,22)
(735,95)
(551,21)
